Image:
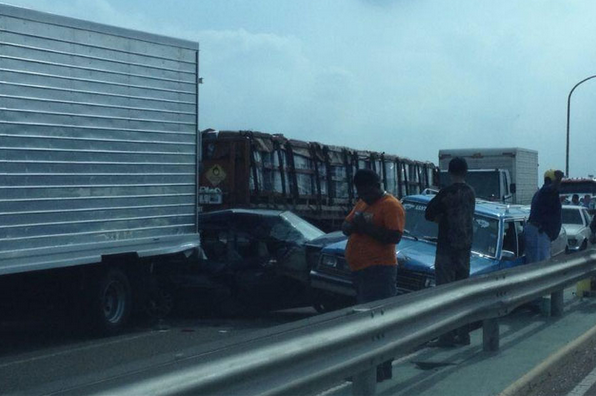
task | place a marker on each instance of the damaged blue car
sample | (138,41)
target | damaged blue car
(498,243)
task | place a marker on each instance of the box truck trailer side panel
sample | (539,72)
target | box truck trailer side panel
(99,142)
(527,178)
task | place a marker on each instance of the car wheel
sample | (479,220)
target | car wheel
(324,303)
(159,304)
(322,306)
(584,245)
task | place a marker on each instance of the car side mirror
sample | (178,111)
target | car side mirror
(512,188)
(508,255)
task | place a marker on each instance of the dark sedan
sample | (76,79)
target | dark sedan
(256,256)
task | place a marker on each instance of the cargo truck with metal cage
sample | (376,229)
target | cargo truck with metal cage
(249,169)
(98,162)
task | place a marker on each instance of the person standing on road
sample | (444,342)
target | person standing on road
(593,229)
(544,223)
(453,209)
(588,203)
(374,227)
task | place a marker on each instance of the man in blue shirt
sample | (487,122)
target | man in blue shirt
(544,223)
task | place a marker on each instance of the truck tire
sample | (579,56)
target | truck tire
(111,302)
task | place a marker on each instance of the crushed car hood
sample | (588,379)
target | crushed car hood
(328,239)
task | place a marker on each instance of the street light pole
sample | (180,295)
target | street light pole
(568,113)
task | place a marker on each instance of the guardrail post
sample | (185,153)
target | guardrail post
(365,383)
(556,303)
(490,335)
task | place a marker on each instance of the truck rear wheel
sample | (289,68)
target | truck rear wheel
(111,302)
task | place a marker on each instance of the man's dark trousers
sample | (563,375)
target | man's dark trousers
(451,266)
(376,282)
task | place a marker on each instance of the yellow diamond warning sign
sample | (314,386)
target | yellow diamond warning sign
(215,175)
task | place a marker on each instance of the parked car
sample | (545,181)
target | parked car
(498,244)
(576,221)
(254,256)
(559,245)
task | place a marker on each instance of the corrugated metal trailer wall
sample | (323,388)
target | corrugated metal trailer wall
(98,131)
(260,170)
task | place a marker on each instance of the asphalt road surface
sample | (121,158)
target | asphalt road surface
(41,353)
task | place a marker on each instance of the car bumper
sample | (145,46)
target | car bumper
(331,284)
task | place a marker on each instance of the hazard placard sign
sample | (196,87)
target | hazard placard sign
(215,175)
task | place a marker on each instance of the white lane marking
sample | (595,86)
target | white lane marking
(50,355)
(585,385)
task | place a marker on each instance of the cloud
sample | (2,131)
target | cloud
(267,82)
(404,77)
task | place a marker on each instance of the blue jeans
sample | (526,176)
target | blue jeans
(537,244)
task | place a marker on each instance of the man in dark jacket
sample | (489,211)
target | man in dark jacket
(453,209)
(544,223)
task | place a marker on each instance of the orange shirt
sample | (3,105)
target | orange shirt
(362,250)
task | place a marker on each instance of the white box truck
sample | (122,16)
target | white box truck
(99,148)
(507,175)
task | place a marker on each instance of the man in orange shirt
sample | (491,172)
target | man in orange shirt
(374,227)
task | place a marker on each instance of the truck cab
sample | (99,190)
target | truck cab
(507,175)
(489,184)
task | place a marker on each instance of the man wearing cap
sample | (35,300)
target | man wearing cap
(374,227)
(544,223)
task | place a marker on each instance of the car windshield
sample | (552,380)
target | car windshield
(486,230)
(416,225)
(307,230)
(571,216)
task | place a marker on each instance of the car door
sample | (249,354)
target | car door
(513,249)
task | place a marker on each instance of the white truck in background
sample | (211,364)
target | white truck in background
(508,175)
(98,162)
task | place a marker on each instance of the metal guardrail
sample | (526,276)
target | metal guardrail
(309,355)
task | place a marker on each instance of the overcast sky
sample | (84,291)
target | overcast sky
(407,77)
